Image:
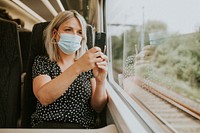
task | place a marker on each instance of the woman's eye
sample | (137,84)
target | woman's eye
(67,29)
(70,31)
(80,32)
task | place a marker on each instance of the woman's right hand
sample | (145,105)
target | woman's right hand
(88,61)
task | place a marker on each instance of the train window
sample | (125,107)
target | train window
(154,53)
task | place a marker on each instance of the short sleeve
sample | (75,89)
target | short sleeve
(90,74)
(40,66)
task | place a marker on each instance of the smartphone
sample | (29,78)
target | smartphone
(100,41)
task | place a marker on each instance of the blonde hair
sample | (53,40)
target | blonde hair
(52,49)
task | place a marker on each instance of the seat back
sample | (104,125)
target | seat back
(36,48)
(24,37)
(10,74)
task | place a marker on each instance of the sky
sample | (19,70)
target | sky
(182,16)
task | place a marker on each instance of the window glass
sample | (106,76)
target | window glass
(171,32)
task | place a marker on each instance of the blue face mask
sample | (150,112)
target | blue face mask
(69,43)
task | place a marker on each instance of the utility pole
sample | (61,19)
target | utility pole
(142,30)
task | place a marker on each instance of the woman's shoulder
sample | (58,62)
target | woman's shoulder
(40,66)
(41,58)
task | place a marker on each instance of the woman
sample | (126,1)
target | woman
(70,83)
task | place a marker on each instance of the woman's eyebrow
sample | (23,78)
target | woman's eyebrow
(68,27)
(72,28)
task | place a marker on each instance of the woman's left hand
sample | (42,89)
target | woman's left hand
(100,70)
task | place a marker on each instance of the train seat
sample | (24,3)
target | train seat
(10,74)
(36,48)
(25,38)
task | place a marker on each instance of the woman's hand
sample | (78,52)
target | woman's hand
(100,69)
(89,60)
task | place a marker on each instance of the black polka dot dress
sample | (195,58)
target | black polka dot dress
(73,106)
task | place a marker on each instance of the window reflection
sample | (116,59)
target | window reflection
(171,35)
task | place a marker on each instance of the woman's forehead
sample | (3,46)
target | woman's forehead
(72,22)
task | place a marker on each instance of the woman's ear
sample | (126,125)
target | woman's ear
(53,36)
(54,32)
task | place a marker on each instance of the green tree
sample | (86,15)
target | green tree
(155,26)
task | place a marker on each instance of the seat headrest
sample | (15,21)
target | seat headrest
(37,40)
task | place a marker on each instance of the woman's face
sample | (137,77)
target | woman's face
(71,26)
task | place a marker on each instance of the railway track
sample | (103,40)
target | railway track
(178,118)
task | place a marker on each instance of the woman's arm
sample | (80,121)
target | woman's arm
(99,94)
(47,90)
